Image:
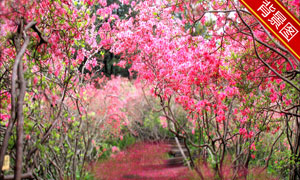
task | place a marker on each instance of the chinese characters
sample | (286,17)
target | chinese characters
(266,9)
(277,19)
(288,31)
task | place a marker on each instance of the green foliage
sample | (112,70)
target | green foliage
(128,140)
(86,176)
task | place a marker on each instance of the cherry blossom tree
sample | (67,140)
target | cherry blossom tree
(43,43)
(235,83)
(217,61)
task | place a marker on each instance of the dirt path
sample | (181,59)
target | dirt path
(159,161)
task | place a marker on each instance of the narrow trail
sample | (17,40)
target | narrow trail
(149,161)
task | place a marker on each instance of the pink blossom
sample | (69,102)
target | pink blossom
(99,12)
(133,3)
(35,80)
(252,147)
(251,134)
(163,121)
(103,3)
(220,118)
(106,26)
(27,137)
(296,2)
(288,102)
(222,96)
(114,149)
(235,111)
(282,86)
(125,2)
(54,99)
(242,131)
(244,119)
(122,64)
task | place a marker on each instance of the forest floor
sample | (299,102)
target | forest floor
(143,161)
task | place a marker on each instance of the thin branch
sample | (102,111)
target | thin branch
(263,61)
(271,151)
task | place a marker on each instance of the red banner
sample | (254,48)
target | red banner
(279,21)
